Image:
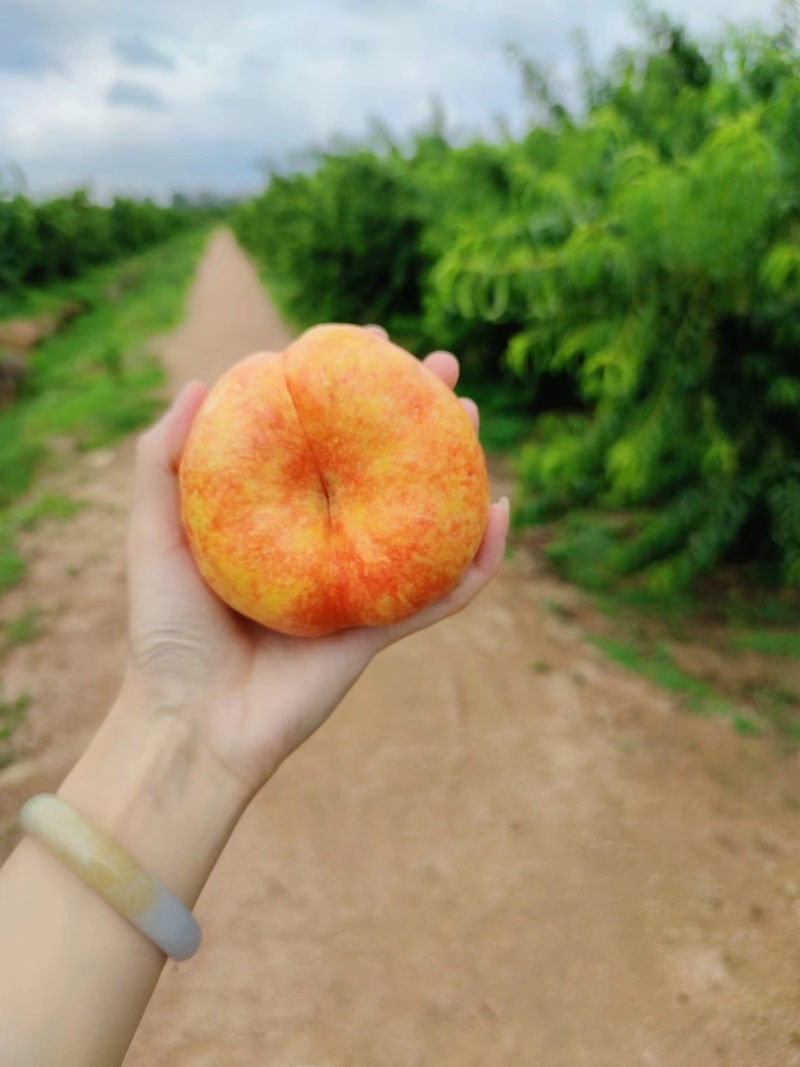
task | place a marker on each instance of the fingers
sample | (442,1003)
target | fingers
(155,517)
(445,366)
(378,331)
(471,409)
(483,569)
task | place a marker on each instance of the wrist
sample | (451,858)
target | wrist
(151,782)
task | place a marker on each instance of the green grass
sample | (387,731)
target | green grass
(541,666)
(89,290)
(12,712)
(93,383)
(776,708)
(780,707)
(22,629)
(12,566)
(31,303)
(768,608)
(783,643)
(657,665)
(49,506)
(25,516)
(98,379)
(560,611)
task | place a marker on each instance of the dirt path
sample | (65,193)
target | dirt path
(475,863)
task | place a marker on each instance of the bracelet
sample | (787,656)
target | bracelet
(112,872)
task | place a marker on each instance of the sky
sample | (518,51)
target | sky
(144,97)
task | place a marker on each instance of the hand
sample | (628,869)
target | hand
(250,695)
(210,706)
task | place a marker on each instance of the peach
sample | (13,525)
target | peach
(337,484)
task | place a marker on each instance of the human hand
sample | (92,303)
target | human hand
(210,706)
(250,696)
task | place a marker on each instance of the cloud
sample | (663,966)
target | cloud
(133,94)
(139,52)
(23,47)
(377,7)
(234,83)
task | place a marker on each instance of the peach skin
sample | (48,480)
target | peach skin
(337,484)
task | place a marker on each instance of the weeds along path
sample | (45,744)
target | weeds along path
(502,850)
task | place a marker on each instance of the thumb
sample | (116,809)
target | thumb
(156,514)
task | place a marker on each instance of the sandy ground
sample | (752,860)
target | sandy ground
(475,863)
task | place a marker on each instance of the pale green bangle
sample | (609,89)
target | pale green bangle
(112,872)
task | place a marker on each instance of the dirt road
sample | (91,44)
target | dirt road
(501,851)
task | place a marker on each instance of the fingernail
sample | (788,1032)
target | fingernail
(505,505)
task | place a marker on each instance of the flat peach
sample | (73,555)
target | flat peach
(338,484)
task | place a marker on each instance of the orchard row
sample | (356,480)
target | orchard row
(632,267)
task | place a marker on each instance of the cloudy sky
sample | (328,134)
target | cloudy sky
(147,96)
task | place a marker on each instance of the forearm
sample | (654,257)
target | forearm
(75,977)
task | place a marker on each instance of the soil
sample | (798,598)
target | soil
(502,849)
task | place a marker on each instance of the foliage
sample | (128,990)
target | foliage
(657,268)
(345,237)
(634,265)
(356,239)
(44,242)
(505,415)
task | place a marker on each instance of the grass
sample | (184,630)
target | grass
(12,712)
(31,303)
(766,609)
(783,643)
(94,287)
(777,708)
(48,506)
(98,379)
(21,630)
(12,566)
(541,666)
(657,665)
(560,611)
(23,516)
(93,383)
(780,707)
(731,611)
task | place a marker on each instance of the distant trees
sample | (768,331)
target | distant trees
(646,248)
